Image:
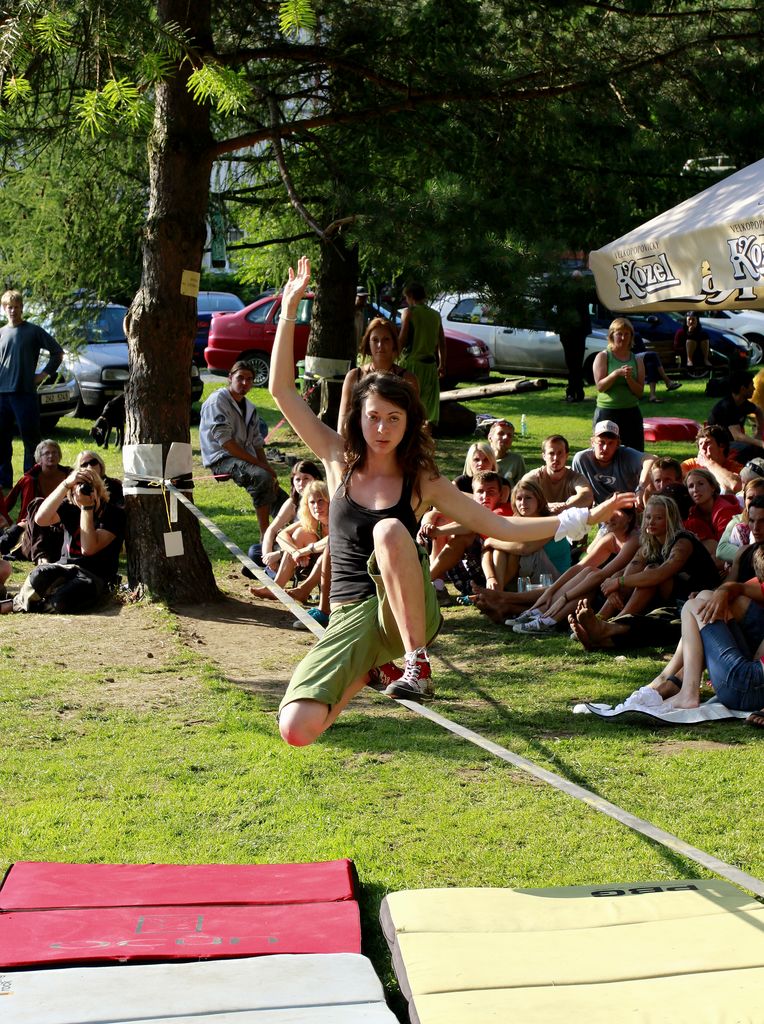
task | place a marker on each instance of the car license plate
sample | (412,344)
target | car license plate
(54,399)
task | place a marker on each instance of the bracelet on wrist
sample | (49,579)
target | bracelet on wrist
(289,319)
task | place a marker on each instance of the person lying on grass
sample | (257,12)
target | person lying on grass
(608,554)
(381,476)
(723,631)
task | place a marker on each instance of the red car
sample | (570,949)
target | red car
(249,334)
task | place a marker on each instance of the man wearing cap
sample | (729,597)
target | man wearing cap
(609,466)
(752,470)
(231,442)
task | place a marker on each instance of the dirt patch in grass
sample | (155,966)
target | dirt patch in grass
(137,654)
(252,643)
(127,651)
(116,637)
(668,748)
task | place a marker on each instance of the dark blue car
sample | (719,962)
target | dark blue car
(658,329)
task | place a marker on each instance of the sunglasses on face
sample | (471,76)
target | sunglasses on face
(90,462)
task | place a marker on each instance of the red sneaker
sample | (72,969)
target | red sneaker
(383,676)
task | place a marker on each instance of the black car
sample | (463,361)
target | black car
(658,328)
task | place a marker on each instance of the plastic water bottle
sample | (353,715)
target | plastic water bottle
(523,425)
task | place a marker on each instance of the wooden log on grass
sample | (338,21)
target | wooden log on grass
(506,387)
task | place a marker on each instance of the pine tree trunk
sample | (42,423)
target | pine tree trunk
(162,321)
(332,333)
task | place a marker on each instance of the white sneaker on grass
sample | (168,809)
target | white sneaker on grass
(536,627)
(644,697)
(527,616)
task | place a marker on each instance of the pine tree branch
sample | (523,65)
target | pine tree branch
(278,153)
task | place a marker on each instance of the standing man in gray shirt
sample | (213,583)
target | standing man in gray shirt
(20,346)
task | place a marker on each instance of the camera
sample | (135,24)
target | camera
(85,488)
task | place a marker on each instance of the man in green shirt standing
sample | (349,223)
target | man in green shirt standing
(423,348)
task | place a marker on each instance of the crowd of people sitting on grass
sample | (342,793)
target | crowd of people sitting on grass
(678,542)
(678,536)
(683,536)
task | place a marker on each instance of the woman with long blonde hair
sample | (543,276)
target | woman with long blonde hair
(303,541)
(670,564)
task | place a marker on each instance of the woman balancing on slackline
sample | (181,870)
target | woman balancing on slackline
(381,476)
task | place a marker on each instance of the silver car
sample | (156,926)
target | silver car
(518,350)
(57,398)
(99,357)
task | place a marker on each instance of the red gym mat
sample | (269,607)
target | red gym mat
(670,428)
(176,933)
(31,885)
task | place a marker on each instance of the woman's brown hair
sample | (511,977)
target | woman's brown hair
(416,451)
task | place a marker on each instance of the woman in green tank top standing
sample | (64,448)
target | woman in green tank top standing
(423,348)
(620,380)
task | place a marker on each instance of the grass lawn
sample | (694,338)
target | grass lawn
(186,766)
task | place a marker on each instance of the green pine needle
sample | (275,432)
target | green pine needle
(296,15)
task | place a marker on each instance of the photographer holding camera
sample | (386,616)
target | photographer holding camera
(94,532)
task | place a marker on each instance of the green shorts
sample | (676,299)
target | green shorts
(359,636)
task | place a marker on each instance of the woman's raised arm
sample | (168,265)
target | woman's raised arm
(320,438)
(449,499)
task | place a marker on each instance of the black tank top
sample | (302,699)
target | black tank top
(699,571)
(351,540)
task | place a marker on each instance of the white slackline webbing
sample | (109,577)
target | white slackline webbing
(645,828)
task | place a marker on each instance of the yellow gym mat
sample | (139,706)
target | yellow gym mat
(674,952)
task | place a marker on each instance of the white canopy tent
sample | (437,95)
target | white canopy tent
(707,252)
